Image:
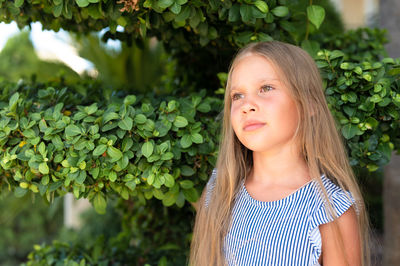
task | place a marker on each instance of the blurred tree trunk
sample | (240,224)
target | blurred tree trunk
(389,15)
(390,19)
(391,214)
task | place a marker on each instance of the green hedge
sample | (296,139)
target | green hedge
(155,153)
(134,146)
(165,148)
(193,32)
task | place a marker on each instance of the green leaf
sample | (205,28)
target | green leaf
(335,54)
(114,153)
(180,121)
(130,99)
(81,178)
(140,119)
(109,116)
(371,123)
(312,47)
(280,11)
(191,194)
(18,3)
(394,71)
(186,184)
(100,150)
(187,170)
(234,13)
(183,15)
(131,184)
(126,123)
(29,133)
(197,138)
(349,131)
(147,149)
(175,8)
(43,168)
(167,156)
(245,12)
(72,130)
(263,37)
(170,198)
(169,180)
(186,141)
(99,203)
(126,144)
(42,149)
(112,176)
(13,101)
(261,5)
(316,15)
(19,192)
(165,3)
(256,13)
(82,3)
(91,109)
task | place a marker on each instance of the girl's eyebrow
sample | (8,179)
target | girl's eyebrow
(259,81)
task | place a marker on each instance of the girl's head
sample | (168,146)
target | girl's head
(278,85)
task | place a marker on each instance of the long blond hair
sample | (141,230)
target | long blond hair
(322,148)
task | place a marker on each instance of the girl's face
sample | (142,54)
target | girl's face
(263,114)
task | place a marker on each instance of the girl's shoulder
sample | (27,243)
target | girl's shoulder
(338,198)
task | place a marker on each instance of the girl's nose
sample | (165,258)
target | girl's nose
(249,106)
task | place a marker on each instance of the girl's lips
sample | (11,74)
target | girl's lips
(253,126)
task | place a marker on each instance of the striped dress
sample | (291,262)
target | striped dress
(281,232)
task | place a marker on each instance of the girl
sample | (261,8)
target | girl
(283,192)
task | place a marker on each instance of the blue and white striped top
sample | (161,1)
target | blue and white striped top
(281,232)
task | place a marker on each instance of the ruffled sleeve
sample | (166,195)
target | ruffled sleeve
(340,201)
(210,186)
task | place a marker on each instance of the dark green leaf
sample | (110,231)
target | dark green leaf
(180,121)
(186,141)
(280,11)
(18,3)
(175,8)
(246,13)
(316,15)
(82,3)
(186,184)
(261,5)
(72,130)
(349,131)
(99,203)
(147,149)
(126,123)
(234,13)
(99,150)
(43,168)
(187,171)
(165,3)
(191,194)
(114,153)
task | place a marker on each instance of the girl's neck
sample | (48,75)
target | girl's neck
(279,169)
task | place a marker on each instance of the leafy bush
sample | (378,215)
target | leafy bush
(155,153)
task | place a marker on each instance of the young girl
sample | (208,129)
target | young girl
(283,192)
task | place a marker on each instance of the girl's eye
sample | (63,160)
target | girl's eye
(266,88)
(235,96)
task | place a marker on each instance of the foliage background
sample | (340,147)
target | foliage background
(152,205)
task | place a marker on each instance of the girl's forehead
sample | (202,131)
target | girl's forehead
(254,67)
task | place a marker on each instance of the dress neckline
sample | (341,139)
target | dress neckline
(281,201)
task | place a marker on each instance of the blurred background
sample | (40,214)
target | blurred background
(29,221)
